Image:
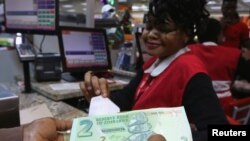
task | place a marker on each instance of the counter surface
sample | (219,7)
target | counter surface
(45,89)
(58,109)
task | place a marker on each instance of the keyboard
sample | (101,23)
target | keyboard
(25,52)
(123,72)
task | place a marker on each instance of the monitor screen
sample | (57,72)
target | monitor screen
(31,16)
(83,49)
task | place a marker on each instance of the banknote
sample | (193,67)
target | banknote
(136,125)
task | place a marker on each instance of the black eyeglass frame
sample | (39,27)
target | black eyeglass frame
(159,24)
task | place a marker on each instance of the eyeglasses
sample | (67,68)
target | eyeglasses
(164,26)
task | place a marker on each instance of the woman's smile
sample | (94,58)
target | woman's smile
(153,44)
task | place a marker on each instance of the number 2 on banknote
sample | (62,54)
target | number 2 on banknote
(85,126)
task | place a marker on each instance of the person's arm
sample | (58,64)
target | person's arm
(94,86)
(11,134)
(124,98)
(202,105)
(244,33)
(243,69)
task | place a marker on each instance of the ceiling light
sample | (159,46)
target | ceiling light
(122,0)
(246,1)
(211,3)
(84,3)
(71,10)
(215,7)
(135,8)
(67,6)
(142,7)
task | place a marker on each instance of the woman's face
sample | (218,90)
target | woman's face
(164,39)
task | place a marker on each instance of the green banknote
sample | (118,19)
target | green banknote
(136,125)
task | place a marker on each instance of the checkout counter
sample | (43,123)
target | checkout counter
(58,109)
(63,100)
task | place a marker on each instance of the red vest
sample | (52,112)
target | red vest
(221,62)
(234,34)
(167,89)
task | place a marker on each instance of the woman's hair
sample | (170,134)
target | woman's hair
(209,31)
(186,14)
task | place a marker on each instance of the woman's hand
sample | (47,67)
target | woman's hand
(93,86)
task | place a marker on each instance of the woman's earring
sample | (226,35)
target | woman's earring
(196,39)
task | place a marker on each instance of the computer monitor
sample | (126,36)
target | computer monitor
(31,16)
(83,49)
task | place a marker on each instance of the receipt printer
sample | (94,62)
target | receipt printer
(47,67)
(9,108)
